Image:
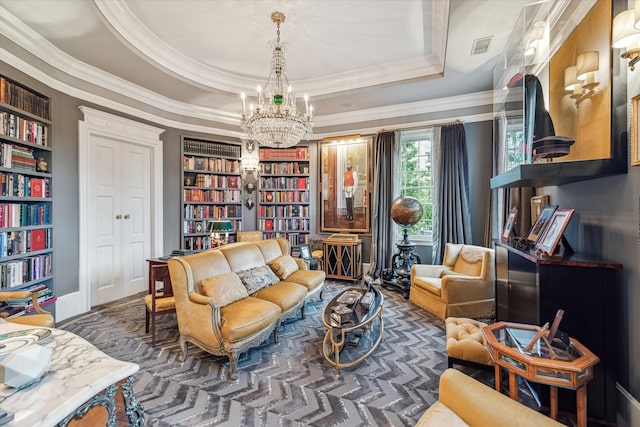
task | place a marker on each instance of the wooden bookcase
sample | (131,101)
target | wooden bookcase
(283,199)
(211,190)
(26,198)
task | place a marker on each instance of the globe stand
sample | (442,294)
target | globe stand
(398,277)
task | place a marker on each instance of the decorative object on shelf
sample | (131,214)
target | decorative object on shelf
(41,164)
(635,129)
(508,227)
(344,184)
(275,121)
(216,228)
(548,243)
(406,212)
(537,204)
(625,36)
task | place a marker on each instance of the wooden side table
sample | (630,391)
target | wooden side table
(572,369)
(343,257)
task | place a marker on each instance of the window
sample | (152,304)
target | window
(416,178)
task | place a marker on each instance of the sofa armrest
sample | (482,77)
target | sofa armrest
(425,270)
(303,264)
(479,405)
(456,289)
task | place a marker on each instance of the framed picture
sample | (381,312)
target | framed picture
(508,227)
(635,128)
(537,204)
(344,182)
(549,241)
(305,251)
(541,222)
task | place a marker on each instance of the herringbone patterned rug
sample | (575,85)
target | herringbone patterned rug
(284,384)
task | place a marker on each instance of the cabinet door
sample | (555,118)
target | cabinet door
(502,283)
(524,294)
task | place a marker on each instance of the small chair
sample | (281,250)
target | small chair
(158,301)
(317,251)
(249,236)
(41,317)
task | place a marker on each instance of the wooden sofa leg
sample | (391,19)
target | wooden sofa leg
(302,309)
(233,362)
(183,347)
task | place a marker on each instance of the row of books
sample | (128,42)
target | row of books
(15,273)
(211,148)
(200,227)
(282,168)
(284,183)
(201,243)
(23,129)
(295,153)
(220,196)
(24,241)
(294,239)
(24,99)
(24,214)
(216,181)
(285,224)
(213,212)
(295,211)
(192,163)
(284,196)
(19,307)
(16,184)
(15,156)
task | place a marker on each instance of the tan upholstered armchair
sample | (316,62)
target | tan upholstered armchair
(462,287)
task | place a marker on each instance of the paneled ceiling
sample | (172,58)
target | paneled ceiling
(184,63)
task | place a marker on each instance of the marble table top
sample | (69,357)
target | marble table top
(77,372)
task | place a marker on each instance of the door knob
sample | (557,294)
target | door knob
(127,216)
(118,216)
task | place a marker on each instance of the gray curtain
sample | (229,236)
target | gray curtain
(385,159)
(451,221)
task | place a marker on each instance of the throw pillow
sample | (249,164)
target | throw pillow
(284,266)
(257,278)
(224,288)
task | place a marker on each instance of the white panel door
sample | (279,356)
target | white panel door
(119,219)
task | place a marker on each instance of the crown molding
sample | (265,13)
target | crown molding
(132,32)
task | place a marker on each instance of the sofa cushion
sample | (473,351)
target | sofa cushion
(242,255)
(311,279)
(285,295)
(431,284)
(469,262)
(257,278)
(247,317)
(284,266)
(272,248)
(224,288)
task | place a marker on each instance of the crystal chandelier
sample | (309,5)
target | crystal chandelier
(275,121)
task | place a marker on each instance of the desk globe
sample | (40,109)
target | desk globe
(406,212)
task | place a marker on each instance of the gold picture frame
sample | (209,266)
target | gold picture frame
(635,129)
(537,204)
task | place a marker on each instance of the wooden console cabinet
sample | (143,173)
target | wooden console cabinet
(531,289)
(343,255)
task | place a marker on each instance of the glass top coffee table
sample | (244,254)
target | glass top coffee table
(354,326)
(527,351)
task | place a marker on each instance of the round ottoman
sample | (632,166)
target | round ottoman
(466,344)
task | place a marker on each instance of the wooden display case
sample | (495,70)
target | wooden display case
(343,255)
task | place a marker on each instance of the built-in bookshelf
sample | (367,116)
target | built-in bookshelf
(283,200)
(211,190)
(26,196)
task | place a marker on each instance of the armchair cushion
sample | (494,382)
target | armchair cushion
(284,266)
(431,284)
(257,278)
(224,288)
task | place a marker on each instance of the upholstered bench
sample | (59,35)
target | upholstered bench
(466,344)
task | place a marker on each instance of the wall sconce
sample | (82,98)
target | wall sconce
(626,36)
(216,228)
(533,38)
(581,78)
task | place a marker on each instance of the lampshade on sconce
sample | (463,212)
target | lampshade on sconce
(216,228)
(636,14)
(581,78)
(586,62)
(571,81)
(626,36)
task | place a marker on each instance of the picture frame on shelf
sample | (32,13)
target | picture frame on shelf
(344,183)
(305,251)
(553,234)
(508,227)
(539,226)
(537,204)
(635,129)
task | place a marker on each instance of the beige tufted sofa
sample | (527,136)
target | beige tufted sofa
(462,287)
(232,298)
(464,401)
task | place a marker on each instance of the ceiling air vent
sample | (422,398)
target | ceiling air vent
(481,45)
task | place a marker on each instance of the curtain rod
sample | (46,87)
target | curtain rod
(455,122)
